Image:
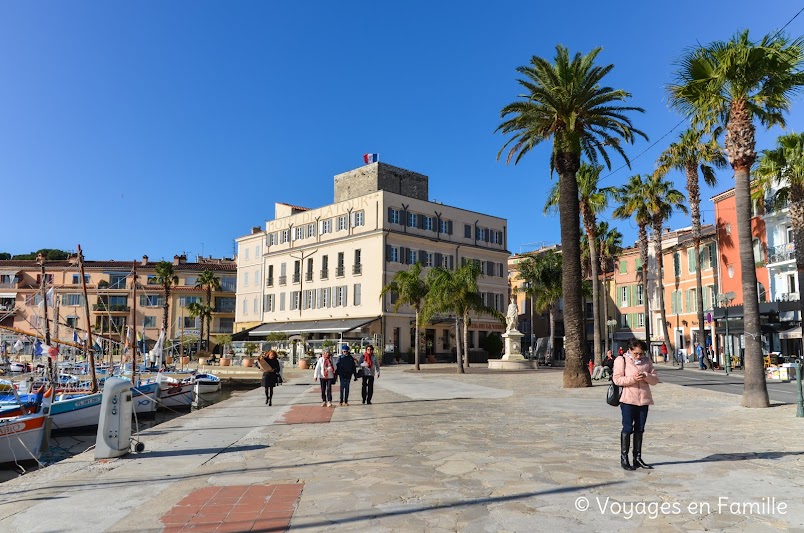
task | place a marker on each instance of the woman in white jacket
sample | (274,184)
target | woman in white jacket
(325,374)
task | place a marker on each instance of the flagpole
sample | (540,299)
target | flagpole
(89,348)
(42,283)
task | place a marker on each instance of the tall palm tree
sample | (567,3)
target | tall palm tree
(611,244)
(592,199)
(412,290)
(457,292)
(565,102)
(661,200)
(631,198)
(734,83)
(781,172)
(202,311)
(209,282)
(686,154)
(167,278)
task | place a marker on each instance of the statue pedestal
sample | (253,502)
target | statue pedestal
(513,358)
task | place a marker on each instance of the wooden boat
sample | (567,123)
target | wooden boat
(21,437)
(206,383)
(145,397)
(76,410)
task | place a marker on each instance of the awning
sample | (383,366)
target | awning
(311,326)
(792,333)
(8,294)
(9,272)
(628,335)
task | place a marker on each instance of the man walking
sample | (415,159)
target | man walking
(346,369)
(700,354)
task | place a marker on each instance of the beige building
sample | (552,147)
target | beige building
(318,273)
(111,299)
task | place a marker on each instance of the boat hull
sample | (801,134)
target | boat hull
(21,438)
(176,395)
(145,397)
(79,411)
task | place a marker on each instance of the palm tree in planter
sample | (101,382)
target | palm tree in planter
(202,311)
(566,101)
(631,198)
(411,290)
(661,199)
(592,199)
(611,245)
(543,276)
(167,278)
(209,282)
(686,154)
(780,173)
(734,83)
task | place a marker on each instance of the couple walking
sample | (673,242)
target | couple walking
(346,368)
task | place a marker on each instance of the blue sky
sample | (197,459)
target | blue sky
(166,127)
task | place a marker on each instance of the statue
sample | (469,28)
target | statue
(511,316)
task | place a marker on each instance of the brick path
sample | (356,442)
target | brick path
(234,508)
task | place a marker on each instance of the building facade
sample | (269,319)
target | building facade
(318,273)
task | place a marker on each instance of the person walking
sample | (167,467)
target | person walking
(325,374)
(369,369)
(634,372)
(269,365)
(346,369)
(664,351)
(699,353)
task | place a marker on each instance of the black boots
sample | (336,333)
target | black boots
(638,462)
(625,444)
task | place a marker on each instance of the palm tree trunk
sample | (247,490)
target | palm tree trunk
(797,220)
(694,194)
(657,235)
(605,298)
(576,373)
(590,233)
(416,348)
(552,344)
(643,254)
(458,356)
(532,330)
(466,340)
(165,306)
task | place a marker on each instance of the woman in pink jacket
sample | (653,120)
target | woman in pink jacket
(634,372)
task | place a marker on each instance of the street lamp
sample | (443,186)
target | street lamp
(725,300)
(611,323)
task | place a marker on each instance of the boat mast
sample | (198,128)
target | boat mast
(89,350)
(134,326)
(42,288)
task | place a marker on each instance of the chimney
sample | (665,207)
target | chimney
(176,260)
(255,230)
(144,260)
(73,259)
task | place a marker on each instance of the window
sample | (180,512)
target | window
(308,299)
(269,281)
(356,297)
(226,325)
(308,276)
(758,255)
(789,234)
(311,230)
(706,257)
(791,283)
(116,281)
(284,236)
(295,300)
(77,279)
(149,322)
(72,300)
(445,226)
(624,296)
(254,305)
(357,267)
(281,301)
(360,219)
(151,300)
(429,261)
(342,222)
(624,322)
(296,271)
(326,226)
(245,307)
(298,233)
(324,267)
(482,234)
(638,263)
(283,274)
(393,255)
(272,239)
(411,220)
(325,299)
(728,229)
(675,303)
(428,223)
(184,301)
(623,267)
(640,290)
(339,270)
(412,257)
(256,251)
(677,264)
(393,215)
(691,301)
(224,305)
(640,323)
(247,257)
(495,237)
(467,231)
(229,284)
(692,264)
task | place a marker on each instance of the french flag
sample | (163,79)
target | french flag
(371,158)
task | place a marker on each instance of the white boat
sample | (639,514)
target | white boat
(175,394)
(19,366)
(206,383)
(21,438)
(76,410)
(145,397)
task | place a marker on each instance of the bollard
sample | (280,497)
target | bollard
(800,409)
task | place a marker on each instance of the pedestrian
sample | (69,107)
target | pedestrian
(620,351)
(634,373)
(325,374)
(608,365)
(269,365)
(699,353)
(369,369)
(664,351)
(346,369)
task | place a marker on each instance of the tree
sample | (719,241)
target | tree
(5,256)
(611,244)
(209,282)
(631,198)
(661,199)
(565,102)
(457,291)
(591,200)
(686,154)
(411,290)
(167,278)
(734,83)
(48,253)
(780,173)
(202,311)
(542,275)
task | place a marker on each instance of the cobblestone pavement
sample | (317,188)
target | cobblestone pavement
(442,452)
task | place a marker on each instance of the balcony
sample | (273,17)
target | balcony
(111,308)
(269,282)
(8,285)
(283,280)
(296,277)
(324,273)
(224,309)
(339,272)
(357,269)
(308,276)
(781,253)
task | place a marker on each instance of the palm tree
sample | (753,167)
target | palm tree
(202,311)
(542,275)
(631,198)
(661,199)
(592,199)
(457,292)
(565,102)
(611,244)
(781,172)
(209,282)
(686,154)
(167,278)
(412,290)
(733,83)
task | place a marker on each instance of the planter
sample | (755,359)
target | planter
(168,359)
(247,362)
(431,359)
(226,361)
(185,360)
(202,361)
(304,364)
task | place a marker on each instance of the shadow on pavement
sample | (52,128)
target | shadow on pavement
(199,451)
(746,456)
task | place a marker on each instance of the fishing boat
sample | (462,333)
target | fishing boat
(71,411)
(206,383)
(19,366)
(145,397)
(174,393)
(21,437)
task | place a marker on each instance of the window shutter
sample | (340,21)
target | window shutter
(422,257)
(438,259)
(449,227)
(487,235)
(452,262)
(387,253)
(489,268)
(467,231)
(433,224)
(499,237)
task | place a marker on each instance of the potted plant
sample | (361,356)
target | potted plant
(249,349)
